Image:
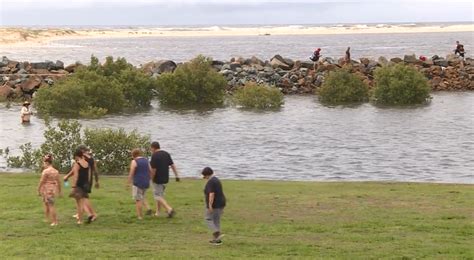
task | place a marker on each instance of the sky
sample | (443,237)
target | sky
(230,12)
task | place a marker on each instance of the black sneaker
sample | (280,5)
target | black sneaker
(148,212)
(171,213)
(216,242)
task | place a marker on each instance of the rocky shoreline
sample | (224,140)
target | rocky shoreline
(20,80)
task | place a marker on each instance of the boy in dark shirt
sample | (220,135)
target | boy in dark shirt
(215,203)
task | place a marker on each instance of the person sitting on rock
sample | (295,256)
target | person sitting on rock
(25,112)
(459,49)
(316,55)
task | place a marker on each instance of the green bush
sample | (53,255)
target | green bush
(96,90)
(110,147)
(257,96)
(343,87)
(194,82)
(400,85)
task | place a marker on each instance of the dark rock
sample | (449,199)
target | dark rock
(235,65)
(279,62)
(165,66)
(396,60)
(42,65)
(441,62)
(410,58)
(4,61)
(307,65)
(71,68)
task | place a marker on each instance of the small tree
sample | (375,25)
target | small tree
(114,156)
(96,90)
(400,85)
(110,147)
(194,82)
(343,87)
(257,96)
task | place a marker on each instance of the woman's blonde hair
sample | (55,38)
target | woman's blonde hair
(136,152)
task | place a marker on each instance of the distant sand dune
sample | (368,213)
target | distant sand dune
(18,37)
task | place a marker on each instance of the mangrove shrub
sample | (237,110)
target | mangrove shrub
(194,82)
(257,96)
(343,87)
(110,147)
(96,90)
(400,85)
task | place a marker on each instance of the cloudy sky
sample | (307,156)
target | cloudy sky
(225,12)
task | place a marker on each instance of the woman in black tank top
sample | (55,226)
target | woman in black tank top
(81,187)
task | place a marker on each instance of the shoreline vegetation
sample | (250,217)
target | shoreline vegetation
(14,37)
(263,219)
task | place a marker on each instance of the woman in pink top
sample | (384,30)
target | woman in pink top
(49,187)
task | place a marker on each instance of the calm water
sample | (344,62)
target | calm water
(303,141)
(141,50)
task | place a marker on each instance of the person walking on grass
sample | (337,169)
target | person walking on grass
(81,172)
(139,175)
(160,163)
(48,188)
(215,204)
(92,215)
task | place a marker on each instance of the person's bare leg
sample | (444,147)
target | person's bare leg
(163,202)
(138,206)
(46,211)
(80,207)
(145,204)
(158,208)
(54,217)
(88,208)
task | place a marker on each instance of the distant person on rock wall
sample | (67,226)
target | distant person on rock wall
(347,58)
(315,57)
(25,112)
(459,49)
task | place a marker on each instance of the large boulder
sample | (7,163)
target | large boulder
(441,62)
(410,58)
(71,68)
(279,62)
(382,61)
(46,65)
(4,61)
(453,59)
(31,84)
(5,91)
(255,61)
(165,66)
(159,67)
(58,65)
(396,60)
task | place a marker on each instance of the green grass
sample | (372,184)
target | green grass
(264,219)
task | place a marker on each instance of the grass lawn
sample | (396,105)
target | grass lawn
(264,219)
